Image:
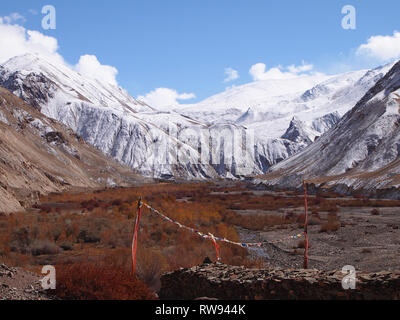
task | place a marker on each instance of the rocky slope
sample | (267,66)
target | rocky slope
(18,284)
(362,151)
(209,140)
(304,135)
(38,155)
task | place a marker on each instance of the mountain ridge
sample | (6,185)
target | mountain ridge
(38,155)
(361,151)
(176,143)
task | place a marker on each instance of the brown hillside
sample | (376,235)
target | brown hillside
(38,155)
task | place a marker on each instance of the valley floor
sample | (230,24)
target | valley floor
(366,241)
(93,229)
(366,234)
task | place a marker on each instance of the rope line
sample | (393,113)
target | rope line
(215,238)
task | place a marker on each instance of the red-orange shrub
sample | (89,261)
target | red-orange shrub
(89,281)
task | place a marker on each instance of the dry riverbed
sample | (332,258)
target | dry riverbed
(364,240)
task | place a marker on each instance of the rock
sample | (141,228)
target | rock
(207,260)
(235,283)
(19,284)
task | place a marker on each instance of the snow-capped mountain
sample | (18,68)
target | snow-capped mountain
(155,143)
(362,151)
(241,132)
(269,106)
(38,155)
(31,74)
(286,115)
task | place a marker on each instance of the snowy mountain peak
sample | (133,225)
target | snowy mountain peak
(385,86)
(362,151)
(249,116)
(108,118)
(28,62)
(195,141)
(42,78)
(298,132)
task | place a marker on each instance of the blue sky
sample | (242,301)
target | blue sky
(186,45)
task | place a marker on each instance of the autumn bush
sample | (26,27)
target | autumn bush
(76,228)
(99,225)
(150,265)
(327,206)
(90,281)
(302,244)
(258,222)
(41,247)
(333,224)
(375,212)
(314,220)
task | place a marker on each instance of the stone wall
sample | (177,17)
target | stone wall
(237,283)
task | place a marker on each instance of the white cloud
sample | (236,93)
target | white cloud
(186,96)
(89,66)
(259,71)
(39,40)
(15,40)
(13,17)
(164,98)
(231,74)
(383,48)
(300,69)
(33,12)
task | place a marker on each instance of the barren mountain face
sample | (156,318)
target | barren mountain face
(38,155)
